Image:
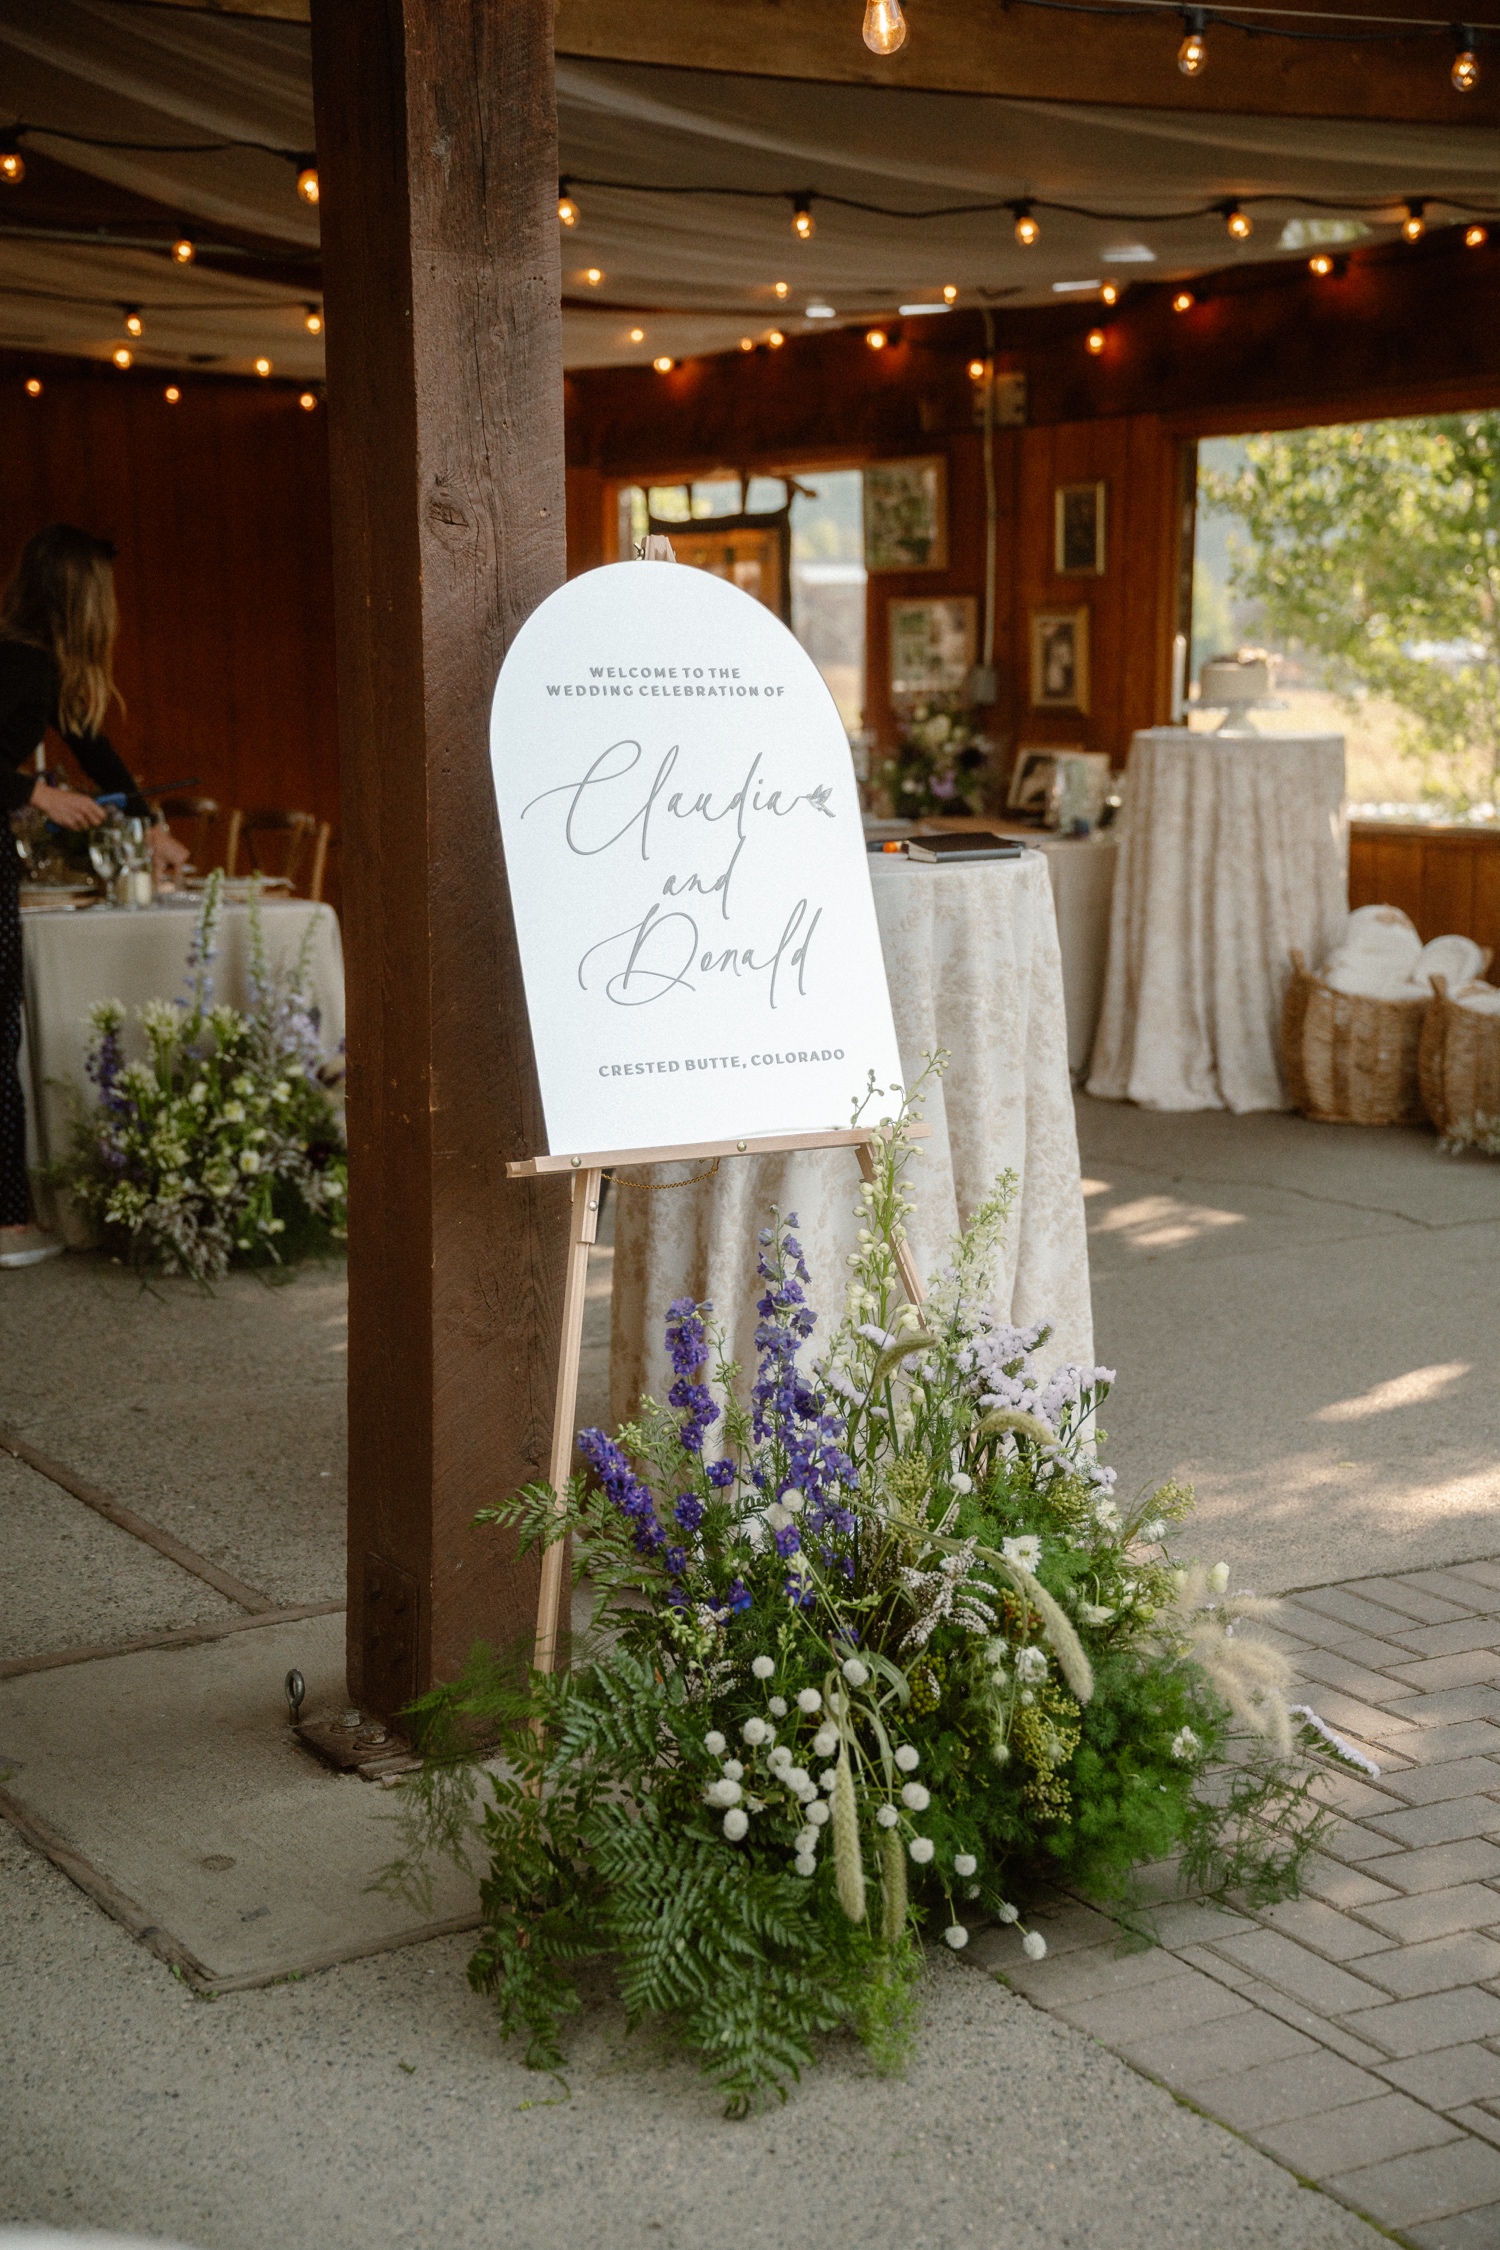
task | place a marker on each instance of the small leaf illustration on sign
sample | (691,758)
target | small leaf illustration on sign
(686,866)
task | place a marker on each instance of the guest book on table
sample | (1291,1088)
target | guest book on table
(687,869)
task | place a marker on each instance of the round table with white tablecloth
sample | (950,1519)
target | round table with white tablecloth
(1233,852)
(971,955)
(73,961)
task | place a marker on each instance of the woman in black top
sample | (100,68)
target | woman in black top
(57,633)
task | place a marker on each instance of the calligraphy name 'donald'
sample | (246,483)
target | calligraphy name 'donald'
(617,806)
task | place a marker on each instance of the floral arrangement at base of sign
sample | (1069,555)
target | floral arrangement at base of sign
(877,1654)
(942,761)
(225,1146)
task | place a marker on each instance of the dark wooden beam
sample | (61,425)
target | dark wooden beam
(1033,54)
(437,148)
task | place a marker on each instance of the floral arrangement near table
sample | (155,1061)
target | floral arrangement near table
(942,761)
(879,1652)
(225,1146)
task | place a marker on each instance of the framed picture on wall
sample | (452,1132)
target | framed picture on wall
(931,645)
(1078,530)
(906,514)
(1060,659)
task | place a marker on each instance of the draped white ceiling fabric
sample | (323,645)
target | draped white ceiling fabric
(690,272)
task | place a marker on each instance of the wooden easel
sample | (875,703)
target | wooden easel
(587,1174)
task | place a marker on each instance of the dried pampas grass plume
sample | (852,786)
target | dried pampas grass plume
(1249,1675)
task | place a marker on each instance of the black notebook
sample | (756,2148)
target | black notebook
(976,843)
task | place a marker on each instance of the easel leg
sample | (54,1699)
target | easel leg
(581,1234)
(911,1280)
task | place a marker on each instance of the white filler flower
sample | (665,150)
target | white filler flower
(735,1824)
(724,1792)
(961,1483)
(915,1797)
(907,1758)
(957,1936)
(779,1759)
(809,1700)
(1027,1551)
(763,1667)
(734,1769)
(921,1849)
(715,1744)
(755,1731)
(964,1863)
(818,1812)
(805,1864)
(855,1672)
(886,1816)
(1007,1913)
(1185,1744)
(825,1742)
(776,1705)
(1031,1664)
(1034,1946)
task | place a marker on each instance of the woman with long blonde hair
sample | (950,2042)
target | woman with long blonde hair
(57,636)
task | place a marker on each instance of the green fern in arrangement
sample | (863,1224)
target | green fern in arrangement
(876,1652)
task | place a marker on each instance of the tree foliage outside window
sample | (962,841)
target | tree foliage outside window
(1376,547)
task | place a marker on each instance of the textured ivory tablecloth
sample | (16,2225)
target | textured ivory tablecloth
(73,961)
(972,958)
(1232,852)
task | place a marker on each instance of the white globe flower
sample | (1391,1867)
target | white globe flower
(796,1778)
(723,1793)
(961,1483)
(886,1816)
(818,1812)
(777,1706)
(763,1667)
(964,1863)
(805,1864)
(793,1501)
(915,1797)
(779,1759)
(907,1758)
(1034,1946)
(249,1160)
(971,1890)
(1007,1914)
(825,1742)
(733,1770)
(921,1849)
(807,1840)
(827,1778)
(957,1936)
(809,1700)
(735,1824)
(755,1731)
(855,1672)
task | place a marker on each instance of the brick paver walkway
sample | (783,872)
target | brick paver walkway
(1354,2033)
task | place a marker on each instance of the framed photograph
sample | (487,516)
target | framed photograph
(1060,659)
(931,645)
(906,514)
(1078,530)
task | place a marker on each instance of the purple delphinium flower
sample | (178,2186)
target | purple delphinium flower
(738,1596)
(676,1560)
(689,1511)
(687,1347)
(786,1407)
(633,1498)
(721,1473)
(788,1541)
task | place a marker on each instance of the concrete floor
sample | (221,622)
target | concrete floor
(1304,1323)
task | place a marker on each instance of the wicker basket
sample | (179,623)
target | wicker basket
(1460,1065)
(1348,1059)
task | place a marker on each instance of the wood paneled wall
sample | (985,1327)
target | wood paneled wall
(219,507)
(1445,879)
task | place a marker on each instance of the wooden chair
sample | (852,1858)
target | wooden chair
(198,814)
(303,833)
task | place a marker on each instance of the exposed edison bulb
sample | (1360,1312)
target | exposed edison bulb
(567,209)
(1465,71)
(877,339)
(783,288)
(262,366)
(12,166)
(171,394)
(950,292)
(1476,237)
(637,335)
(1238,224)
(312,320)
(885,27)
(1183,301)
(747,343)
(1109,294)
(1414,225)
(307,183)
(976,371)
(593,277)
(183,252)
(775,339)
(664,365)
(1321,264)
(1027,229)
(1095,340)
(308,402)
(33,386)
(133,323)
(121,357)
(803,224)
(1192,55)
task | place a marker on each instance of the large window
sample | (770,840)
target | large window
(826,593)
(1366,558)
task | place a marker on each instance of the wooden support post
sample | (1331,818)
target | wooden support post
(437,154)
(582,1233)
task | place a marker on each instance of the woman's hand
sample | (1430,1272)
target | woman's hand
(66,808)
(167,856)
